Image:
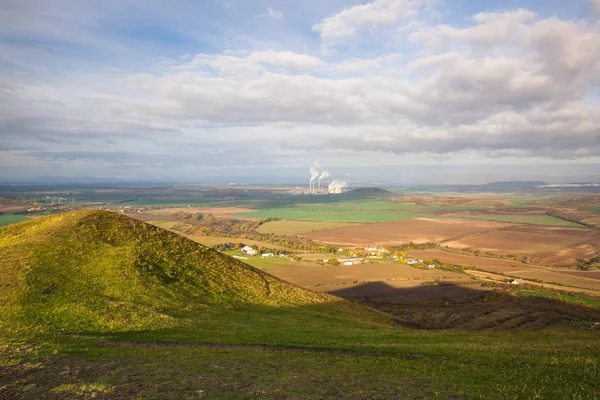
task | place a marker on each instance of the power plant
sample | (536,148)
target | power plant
(335,187)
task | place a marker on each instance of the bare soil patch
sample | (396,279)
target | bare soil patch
(418,230)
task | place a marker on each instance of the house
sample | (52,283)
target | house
(411,262)
(516,282)
(350,261)
(249,251)
(376,251)
(267,255)
(431,266)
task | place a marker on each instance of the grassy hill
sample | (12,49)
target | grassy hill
(94,304)
(101,271)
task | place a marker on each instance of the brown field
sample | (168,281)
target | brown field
(463,259)
(588,280)
(418,230)
(311,275)
(555,277)
(543,244)
(583,274)
(500,278)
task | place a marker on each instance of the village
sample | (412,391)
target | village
(354,256)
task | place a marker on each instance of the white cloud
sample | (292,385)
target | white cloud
(346,23)
(506,84)
(274,14)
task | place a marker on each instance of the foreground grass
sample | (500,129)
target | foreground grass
(384,362)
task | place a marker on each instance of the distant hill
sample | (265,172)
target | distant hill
(101,271)
(370,191)
(516,183)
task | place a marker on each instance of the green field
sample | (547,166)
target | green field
(95,304)
(370,211)
(546,220)
(261,262)
(567,298)
(8,219)
(292,228)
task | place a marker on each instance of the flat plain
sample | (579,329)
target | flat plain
(418,230)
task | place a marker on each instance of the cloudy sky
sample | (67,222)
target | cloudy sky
(190,89)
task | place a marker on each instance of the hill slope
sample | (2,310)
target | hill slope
(101,271)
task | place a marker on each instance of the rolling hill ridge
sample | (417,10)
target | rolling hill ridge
(102,271)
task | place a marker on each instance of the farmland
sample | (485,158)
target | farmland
(543,245)
(418,230)
(545,220)
(335,214)
(291,227)
(222,326)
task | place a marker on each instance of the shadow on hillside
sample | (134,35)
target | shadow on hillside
(470,308)
(432,291)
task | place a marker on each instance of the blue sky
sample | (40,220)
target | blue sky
(145,89)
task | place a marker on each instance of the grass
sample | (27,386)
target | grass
(71,279)
(368,211)
(292,228)
(546,220)
(565,298)
(259,261)
(9,219)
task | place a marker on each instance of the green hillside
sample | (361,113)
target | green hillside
(101,271)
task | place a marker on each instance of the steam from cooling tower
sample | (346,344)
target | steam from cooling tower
(324,174)
(317,175)
(336,186)
(314,174)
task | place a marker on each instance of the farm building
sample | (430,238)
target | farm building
(351,261)
(249,251)
(267,254)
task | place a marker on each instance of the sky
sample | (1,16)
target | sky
(432,91)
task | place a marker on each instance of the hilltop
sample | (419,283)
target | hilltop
(370,191)
(102,271)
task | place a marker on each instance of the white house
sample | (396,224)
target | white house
(249,250)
